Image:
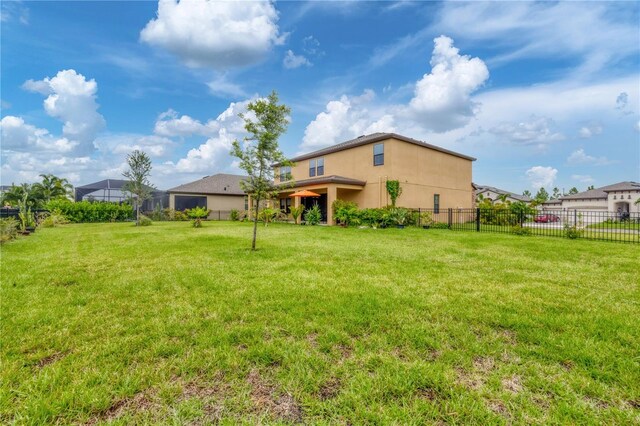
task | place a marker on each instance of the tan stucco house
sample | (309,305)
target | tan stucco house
(220,192)
(357,170)
(494,194)
(617,198)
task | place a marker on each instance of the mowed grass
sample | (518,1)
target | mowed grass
(170,324)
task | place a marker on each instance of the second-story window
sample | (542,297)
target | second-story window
(316,167)
(378,154)
(285,173)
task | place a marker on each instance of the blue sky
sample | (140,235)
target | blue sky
(543,94)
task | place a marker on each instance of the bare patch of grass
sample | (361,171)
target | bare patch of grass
(267,399)
(50,359)
(138,402)
(329,389)
(512,384)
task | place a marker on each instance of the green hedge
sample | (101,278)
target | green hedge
(85,211)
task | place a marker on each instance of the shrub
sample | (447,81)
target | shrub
(51,220)
(267,215)
(399,216)
(520,230)
(440,225)
(423,218)
(313,215)
(572,232)
(197,214)
(181,216)
(85,211)
(8,229)
(234,215)
(345,212)
(145,220)
(373,217)
(159,214)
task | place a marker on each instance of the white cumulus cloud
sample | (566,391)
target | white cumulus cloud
(71,98)
(590,130)
(583,178)
(579,156)
(344,119)
(20,136)
(540,176)
(536,130)
(442,98)
(169,124)
(291,60)
(214,34)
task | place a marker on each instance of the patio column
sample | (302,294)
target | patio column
(332,195)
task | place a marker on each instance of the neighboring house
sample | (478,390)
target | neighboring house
(111,190)
(221,192)
(618,198)
(493,194)
(357,170)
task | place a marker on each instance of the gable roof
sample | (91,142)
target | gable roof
(374,137)
(599,193)
(220,183)
(482,188)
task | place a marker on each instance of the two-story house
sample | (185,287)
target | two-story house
(357,170)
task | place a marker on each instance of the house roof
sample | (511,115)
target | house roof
(326,179)
(553,201)
(599,193)
(374,137)
(220,183)
(482,188)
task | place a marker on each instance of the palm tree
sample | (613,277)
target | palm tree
(16,194)
(503,198)
(52,187)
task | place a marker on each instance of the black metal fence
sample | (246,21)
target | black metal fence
(587,224)
(14,213)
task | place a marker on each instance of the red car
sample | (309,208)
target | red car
(546,218)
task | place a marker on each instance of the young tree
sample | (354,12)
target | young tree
(591,187)
(259,151)
(138,176)
(556,193)
(527,193)
(542,195)
(573,190)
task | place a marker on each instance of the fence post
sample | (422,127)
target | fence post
(450,216)
(478,219)
(575,218)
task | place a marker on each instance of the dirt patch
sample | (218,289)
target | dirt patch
(50,359)
(433,354)
(475,378)
(483,364)
(508,336)
(266,399)
(313,340)
(329,389)
(567,364)
(634,404)
(399,353)
(597,402)
(499,408)
(138,402)
(512,384)
(427,393)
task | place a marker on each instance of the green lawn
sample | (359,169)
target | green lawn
(171,324)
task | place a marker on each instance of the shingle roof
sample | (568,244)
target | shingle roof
(217,184)
(481,188)
(327,179)
(599,193)
(374,137)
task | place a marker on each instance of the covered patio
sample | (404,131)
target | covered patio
(329,189)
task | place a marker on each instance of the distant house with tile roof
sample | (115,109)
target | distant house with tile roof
(619,197)
(493,194)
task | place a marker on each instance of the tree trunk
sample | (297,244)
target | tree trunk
(137,213)
(255,225)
